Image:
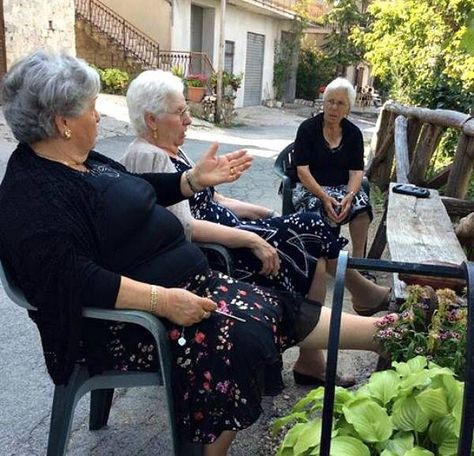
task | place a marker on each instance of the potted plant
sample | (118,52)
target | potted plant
(195,87)
(230,83)
(411,410)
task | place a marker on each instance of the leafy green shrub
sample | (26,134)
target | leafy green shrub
(314,70)
(411,410)
(114,80)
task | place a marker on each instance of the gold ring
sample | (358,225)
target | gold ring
(205,314)
(232,172)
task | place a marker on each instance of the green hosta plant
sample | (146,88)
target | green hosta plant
(413,409)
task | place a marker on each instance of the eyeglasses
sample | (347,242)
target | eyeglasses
(338,104)
(182,113)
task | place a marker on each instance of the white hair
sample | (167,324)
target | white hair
(151,92)
(341,84)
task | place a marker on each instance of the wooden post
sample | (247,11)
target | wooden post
(461,170)
(380,168)
(430,137)
(401,150)
(414,128)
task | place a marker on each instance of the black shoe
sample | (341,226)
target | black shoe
(309,380)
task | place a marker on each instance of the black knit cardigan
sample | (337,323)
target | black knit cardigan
(49,217)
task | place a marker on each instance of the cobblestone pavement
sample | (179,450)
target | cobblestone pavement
(137,425)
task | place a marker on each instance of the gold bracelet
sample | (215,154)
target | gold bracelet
(153,299)
(187,175)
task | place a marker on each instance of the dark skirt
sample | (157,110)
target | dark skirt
(224,366)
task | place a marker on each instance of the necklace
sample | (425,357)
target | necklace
(63,162)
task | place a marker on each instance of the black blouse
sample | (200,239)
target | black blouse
(329,166)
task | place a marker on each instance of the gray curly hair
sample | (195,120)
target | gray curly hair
(41,86)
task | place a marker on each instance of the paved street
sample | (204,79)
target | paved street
(137,426)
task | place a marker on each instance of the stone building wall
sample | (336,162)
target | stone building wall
(31,24)
(97,49)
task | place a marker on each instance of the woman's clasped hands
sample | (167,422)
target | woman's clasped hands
(337,211)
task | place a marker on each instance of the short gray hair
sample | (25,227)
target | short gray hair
(41,86)
(341,84)
(150,92)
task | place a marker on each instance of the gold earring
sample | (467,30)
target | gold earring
(67,133)
(155,135)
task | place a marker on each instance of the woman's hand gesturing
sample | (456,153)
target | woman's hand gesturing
(212,169)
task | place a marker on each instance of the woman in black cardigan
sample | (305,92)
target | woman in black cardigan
(78,230)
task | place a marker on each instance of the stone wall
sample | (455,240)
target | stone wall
(95,48)
(32,24)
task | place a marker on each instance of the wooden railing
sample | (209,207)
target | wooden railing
(136,43)
(410,136)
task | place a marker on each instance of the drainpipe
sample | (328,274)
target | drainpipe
(220,64)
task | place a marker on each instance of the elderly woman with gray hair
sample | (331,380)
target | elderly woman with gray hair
(78,230)
(329,156)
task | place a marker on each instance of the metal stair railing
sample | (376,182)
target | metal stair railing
(133,41)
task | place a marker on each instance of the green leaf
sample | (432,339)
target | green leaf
(418,451)
(407,415)
(433,402)
(384,386)
(315,395)
(369,419)
(389,453)
(292,436)
(309,436)
(344,446)
(400,443)
(449,447)
(442,429)
(287,451)
(414,380)
(283,421)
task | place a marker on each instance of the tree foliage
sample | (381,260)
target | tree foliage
(338,45)
(315,69)
(415,48)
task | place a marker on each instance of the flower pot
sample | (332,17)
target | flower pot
(195,94)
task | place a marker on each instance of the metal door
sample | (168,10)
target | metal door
(254,69)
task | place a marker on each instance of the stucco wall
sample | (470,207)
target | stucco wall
(37,23)
(152,17)
(238,23)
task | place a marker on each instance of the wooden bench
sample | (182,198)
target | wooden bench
(419,230)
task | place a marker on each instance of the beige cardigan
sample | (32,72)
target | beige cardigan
(143,157)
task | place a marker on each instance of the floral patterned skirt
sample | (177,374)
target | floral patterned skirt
(305,201)
(224,365)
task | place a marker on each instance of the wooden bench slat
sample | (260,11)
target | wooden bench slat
(419,230)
